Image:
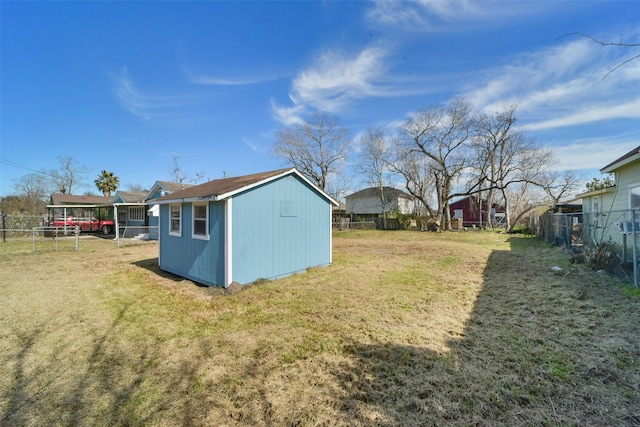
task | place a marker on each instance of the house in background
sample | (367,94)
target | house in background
(159,189)
(367,202)
(468,211)
(130,211)
(607,212)
(135,215)
(266,225)
(64,206)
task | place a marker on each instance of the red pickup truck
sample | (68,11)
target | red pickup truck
(105,226)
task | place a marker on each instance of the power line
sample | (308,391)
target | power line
(19,166)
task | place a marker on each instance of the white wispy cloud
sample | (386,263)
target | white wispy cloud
(591,114)
(562,86)
(588,155)
(335,78)
(443,15)
(210,80)
(151,108)
(287,115)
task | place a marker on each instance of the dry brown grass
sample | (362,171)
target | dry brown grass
(404,328)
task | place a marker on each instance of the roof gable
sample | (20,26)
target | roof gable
(129,197)
(630,157)
(220,189)
(167,187)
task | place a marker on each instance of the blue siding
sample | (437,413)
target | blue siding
(156,194)
(153,232)
(198,260)
(280,228)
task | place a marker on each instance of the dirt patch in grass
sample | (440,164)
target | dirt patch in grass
(404,328)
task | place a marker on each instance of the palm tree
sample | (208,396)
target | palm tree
(107,182)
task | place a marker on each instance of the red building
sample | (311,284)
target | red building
(468,210)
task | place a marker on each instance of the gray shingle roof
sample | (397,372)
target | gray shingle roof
(375,192)
(132,196)
(219,187)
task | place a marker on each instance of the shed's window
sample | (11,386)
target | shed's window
(288,208)
(175,220)
(201,221)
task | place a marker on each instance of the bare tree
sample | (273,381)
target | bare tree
(33,188)
(136,188)
(620,43)
(442,135)
(374,163)
(506,157)
(69,175)
(178,174)
(560,185)
(499,160)
(419,178)
(318,149)
(175,172)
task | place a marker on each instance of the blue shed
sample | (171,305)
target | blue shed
(261,226)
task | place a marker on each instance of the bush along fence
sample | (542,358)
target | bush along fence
(604,240)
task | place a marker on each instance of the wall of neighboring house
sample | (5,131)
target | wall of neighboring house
(153,214)
(605,209)
(371,205)
(405,206)
(197,259)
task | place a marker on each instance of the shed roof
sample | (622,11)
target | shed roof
(220,189)
(375,192)
(631,156)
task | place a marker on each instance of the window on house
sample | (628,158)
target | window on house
(175,220)
(634,198)
(201,221)
(136,213)
(595,205)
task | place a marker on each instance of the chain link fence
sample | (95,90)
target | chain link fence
(605,240)
(38,239)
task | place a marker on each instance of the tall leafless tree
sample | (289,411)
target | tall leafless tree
(179,175)
(33,189)
(419,178)
(373,164)
(69,175)
(441,134)
(317,148)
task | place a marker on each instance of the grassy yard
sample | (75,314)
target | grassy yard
(405,328)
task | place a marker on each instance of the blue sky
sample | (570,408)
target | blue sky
(126,86)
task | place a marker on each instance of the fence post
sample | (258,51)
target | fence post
(33,240)
(635,248)
(77,234)
(4,227)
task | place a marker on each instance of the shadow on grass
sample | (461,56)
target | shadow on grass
(538,349)
(115,385)
(151,264)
